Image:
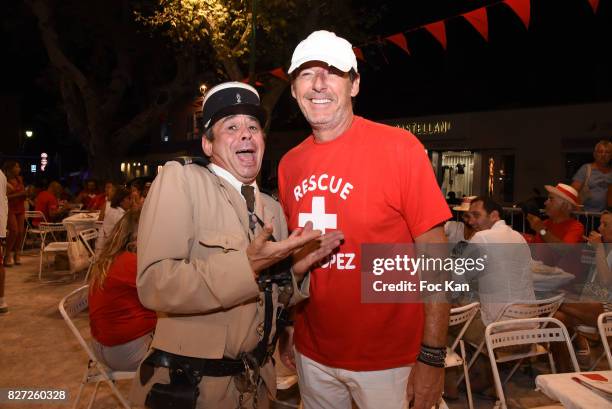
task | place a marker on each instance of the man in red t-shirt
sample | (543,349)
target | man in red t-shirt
(560,227)
(376,184)
(47,203)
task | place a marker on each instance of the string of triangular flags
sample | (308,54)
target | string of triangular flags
(477,18)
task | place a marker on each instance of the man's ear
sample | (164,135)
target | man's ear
(207,146)
(293,91)
(355,86)
(495,215)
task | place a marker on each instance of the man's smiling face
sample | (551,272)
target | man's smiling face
(324,95)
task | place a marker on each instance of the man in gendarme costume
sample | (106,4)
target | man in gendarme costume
(206,241)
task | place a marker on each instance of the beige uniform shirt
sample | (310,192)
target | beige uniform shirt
(193,270)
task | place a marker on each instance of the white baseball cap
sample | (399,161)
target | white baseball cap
(327,47)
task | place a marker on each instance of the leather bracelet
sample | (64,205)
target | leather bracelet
(432,356)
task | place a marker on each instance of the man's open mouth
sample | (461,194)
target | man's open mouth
(246,156)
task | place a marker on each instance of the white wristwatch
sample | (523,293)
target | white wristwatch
(542,232)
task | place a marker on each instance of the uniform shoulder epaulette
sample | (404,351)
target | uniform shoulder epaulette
(188,160)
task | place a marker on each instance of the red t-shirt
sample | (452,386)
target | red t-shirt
(98,202)
(116,315)
(376,184)
(45,202)
(87,198)
(570,232)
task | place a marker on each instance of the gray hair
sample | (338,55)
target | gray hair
(208,134)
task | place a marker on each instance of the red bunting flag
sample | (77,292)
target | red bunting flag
(399,40)
(478,19)
(522,8)
(280,73)
(438,30)
(594,4)
(358,53)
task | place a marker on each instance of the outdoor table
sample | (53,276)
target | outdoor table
(572,394)
(83,221)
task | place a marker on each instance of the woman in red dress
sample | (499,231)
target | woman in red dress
(15,192)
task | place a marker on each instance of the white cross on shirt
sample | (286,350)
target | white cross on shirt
(318,217)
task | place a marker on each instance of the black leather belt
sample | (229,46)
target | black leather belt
(202,366)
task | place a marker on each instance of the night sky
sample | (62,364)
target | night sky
(565,57)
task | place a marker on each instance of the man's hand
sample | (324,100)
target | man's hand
(594,238)
(535,222)
(315,251)
(425,386)
(263,253)
(285,348)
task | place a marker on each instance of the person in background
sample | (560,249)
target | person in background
(596,296)
(507,277)
(109,190)
(87,195)
(98,203)
(3,220)
(121,327)
(47,202)
(137,188)
(120,204)
(15,192)
(560,228)
(30,199)
(593,179)
(460,231)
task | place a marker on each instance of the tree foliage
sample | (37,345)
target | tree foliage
(223,28)
(226,26)
(114,81)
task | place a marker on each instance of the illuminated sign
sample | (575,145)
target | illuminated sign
(33,168)
(427,128)
(43,161)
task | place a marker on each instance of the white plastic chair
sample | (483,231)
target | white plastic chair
(498,337)
(87,236)
(464,316)
(592,333)
(604,324)
(53,247)
(520,310)
(30,228)
(70,306)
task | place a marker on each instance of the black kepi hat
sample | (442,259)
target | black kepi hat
(231,98)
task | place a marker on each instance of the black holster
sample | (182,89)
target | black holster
(181,393)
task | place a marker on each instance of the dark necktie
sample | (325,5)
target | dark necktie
(249,195)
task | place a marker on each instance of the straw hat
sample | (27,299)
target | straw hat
(465,204)
(565,192)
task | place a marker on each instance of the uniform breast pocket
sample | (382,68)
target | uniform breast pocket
(226,242)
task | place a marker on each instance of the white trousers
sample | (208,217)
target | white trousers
(324,387)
